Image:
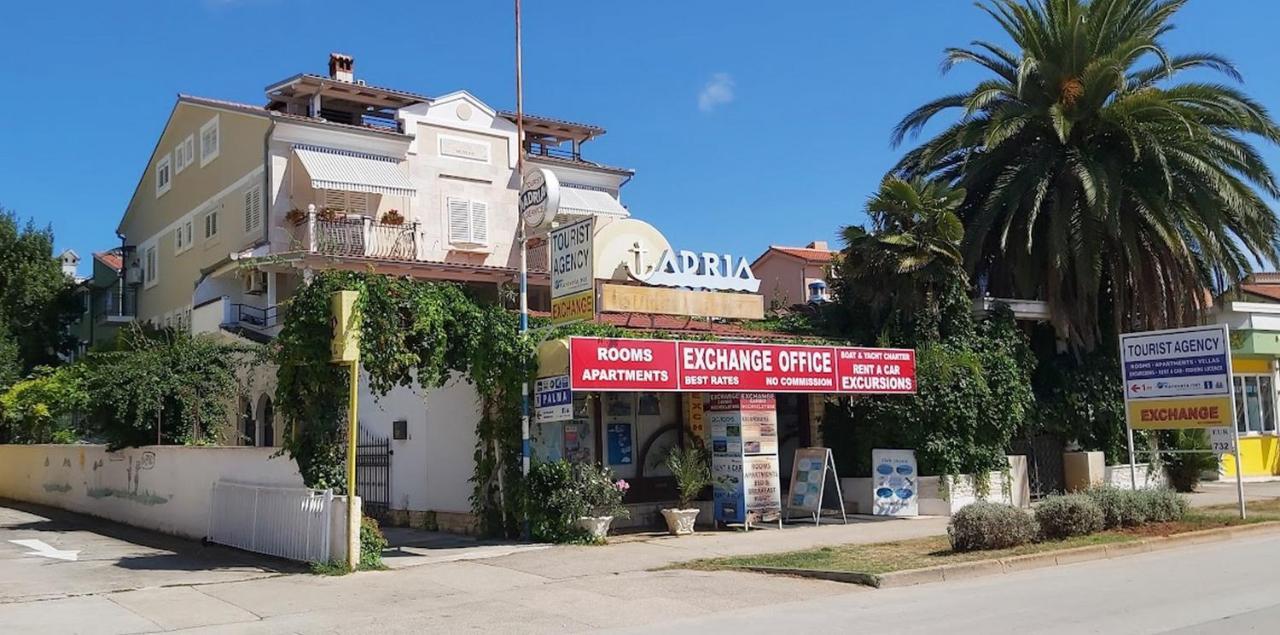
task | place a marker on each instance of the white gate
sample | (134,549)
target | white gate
(288,522)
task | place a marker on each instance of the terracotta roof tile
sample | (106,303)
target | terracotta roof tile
(821,256)
(1270,291)
(110,259)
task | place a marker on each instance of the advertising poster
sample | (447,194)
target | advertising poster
(727,489)
(573,296)
(618,441)
(744,456)
(808,473)
(894,483)
(553,401)
(763,490)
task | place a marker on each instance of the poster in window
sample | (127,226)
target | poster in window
(618,404)
(618,439)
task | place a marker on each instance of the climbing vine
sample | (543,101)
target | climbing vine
(410,330)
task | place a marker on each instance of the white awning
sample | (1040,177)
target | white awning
(580,201)
(332,169)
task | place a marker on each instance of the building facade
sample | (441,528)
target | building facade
(794,275)
(1252,311)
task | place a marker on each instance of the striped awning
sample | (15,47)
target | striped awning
(332,169)
(581,201)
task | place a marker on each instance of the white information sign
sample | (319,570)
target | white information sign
(894,483)
(809,471)
(1222,440)
(573,290)
(553,401)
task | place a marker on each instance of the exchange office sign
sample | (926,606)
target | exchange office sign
(602,364)
(573,292)
(1179,378)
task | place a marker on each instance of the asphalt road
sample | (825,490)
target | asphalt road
(1229,587)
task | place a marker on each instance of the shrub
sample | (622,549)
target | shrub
(372,542)
(984,525)
(557,501)
(1062,517)
(1182,468)
(1164,505)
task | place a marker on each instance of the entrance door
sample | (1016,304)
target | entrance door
(793,432)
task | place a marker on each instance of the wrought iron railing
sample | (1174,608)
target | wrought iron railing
(256,317)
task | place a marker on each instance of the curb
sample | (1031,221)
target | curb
(998,566)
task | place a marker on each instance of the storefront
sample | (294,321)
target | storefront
(1255,363)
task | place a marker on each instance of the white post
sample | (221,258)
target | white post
(311,227)
(1133,459)
(366,233)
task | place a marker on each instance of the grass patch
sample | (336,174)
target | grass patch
(341,568)
(932,551)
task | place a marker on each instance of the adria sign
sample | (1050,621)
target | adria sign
(599,364)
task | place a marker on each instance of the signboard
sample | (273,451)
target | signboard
(539,197)
(601,364)
(619,298)
(809,471)
(1179,378)
(894,483)
(553,401)
(618,440)
(344,348)
(707,270)
(573,296)
(744,457)
(1222,440)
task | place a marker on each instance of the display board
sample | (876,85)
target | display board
(895,483)
(809,472)
(744,457)
(573,291)
(553,401)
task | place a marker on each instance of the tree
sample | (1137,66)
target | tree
(41,409)
(1094,180)
(36,300)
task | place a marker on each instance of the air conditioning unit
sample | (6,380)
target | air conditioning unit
(255,283)
(133,274)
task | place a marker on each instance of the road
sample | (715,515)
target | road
(1230,587)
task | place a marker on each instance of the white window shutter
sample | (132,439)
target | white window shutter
(335,199)
(357,203)
(459,220)
(479,223)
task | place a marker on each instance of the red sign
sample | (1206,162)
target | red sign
(662,365)
(622,364)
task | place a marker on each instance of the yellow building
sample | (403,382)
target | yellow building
(1253,313)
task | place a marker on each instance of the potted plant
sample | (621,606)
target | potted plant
(689,466)
(328,214)
(295,216)
(602,498)
(392,217)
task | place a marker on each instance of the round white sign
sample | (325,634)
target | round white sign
(539,197)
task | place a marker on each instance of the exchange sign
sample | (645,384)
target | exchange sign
(1180,378)
(573,291)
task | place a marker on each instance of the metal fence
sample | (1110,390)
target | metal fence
(287,522)
(373,474)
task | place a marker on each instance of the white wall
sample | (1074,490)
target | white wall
(430,470)
(1118,476)
(163,488)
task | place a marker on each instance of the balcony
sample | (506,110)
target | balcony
(116,305)
(359,237)
(257,318)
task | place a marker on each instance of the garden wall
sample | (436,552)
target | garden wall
(1118,476)
(935,500)
(162,488)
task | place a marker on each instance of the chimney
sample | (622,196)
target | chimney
(342,67)
(818,244)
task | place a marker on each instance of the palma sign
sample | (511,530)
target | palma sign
(706,270)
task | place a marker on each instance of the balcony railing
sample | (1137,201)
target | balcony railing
(116,304)
(553,151)
(360,237)
(255,317)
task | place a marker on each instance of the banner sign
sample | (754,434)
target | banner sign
(573,295)
(601,364)
(744,457)
(894,483)
(553,401)
(1178,378)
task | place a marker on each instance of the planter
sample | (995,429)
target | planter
(1082,470)
(596,526)
(680,521)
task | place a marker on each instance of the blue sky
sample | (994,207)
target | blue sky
(748,123)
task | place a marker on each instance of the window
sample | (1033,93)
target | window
(468,221)
(1255,404)
(182,238)
(184,154)
(164,174)
(211,224)
(150,272)
(253,209)
(209,142)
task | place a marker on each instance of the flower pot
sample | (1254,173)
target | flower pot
(596,526)
(680,521)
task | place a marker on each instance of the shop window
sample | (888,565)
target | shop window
(1255,404)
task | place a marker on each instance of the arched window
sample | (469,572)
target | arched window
(248,427)
(266,416)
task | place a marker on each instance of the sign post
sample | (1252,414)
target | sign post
(344,348)
(1178,379)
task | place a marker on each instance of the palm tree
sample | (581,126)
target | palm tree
(909,254)
(1095,181)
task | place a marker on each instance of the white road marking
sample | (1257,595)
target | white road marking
(43,549)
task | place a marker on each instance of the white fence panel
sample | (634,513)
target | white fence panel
(288,522)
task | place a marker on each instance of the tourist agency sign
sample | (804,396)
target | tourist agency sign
(1179,378)
(573,290)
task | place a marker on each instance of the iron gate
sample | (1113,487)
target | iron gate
(373,474)
(1044,463)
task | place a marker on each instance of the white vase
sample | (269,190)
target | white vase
(596,526)
(680,521)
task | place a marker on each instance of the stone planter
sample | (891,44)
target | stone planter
(596,526)
(680,521)
(1082,470)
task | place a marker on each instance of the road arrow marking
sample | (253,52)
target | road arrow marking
(41,548)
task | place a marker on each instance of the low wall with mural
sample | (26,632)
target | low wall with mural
(163,488)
